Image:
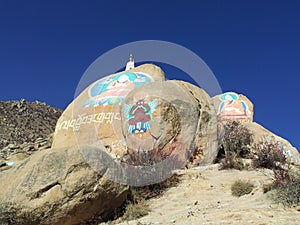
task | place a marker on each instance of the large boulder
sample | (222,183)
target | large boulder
(165,124)
(94,115)
(142,121)
(58,186)
(262,135)
(159,119)
(206,137)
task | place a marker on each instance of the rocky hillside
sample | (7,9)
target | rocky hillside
(135,129)
(23,122)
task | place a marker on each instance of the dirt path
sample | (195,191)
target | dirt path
(204,197)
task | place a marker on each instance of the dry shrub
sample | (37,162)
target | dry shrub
(267,187)
(287,189)
(268,154)
(231,161)
(136,210)
(286,182)
(236,144)
(240,188)
(281,176)
(237,139)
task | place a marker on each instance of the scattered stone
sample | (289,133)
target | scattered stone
(27,147)
(22,121)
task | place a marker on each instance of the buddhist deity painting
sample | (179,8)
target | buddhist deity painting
(232,108)
(112,89)
(139,115)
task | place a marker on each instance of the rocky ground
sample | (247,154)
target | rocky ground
(204,197)
(26,126)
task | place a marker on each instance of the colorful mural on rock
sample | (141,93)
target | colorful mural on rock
(232,108)
(139,115)
(111,90)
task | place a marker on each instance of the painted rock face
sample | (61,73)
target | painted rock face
(94,116)
(164,125)
(139,115)
(111,90)
(148,126)
(232,106)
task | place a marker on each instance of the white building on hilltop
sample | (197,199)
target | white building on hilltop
(130,64)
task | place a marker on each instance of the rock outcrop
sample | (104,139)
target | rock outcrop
(57,186)
(142,121)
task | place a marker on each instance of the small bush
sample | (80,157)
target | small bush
(286,185)
(237,139)
(236,144)
(231,161)
(240,188)
(136,210)
(268,154)
(287,192)
(281,175)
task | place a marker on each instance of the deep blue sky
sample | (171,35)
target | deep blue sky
(253,47)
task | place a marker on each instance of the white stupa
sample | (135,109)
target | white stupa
(130,64)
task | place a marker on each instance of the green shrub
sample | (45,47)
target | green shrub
(240,188)
(285,185)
